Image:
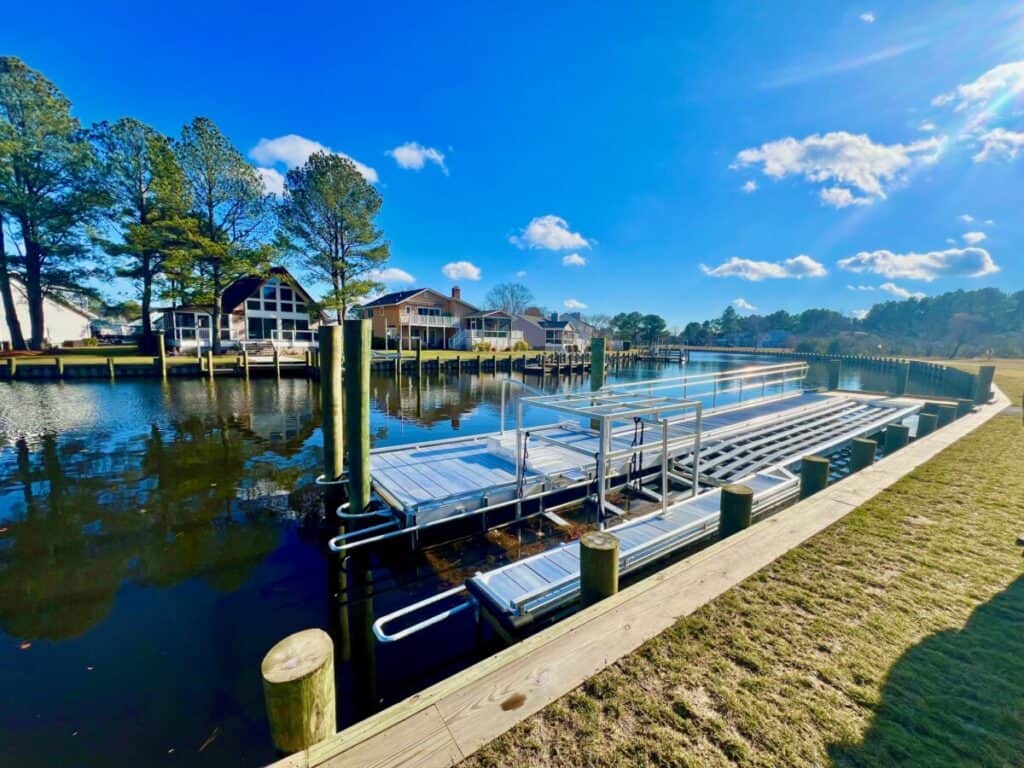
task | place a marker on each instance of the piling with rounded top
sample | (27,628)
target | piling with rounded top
(926,424)
(245,362)
(896,436)
(110,368)
(736,506)
(357,339)
(161,354)
(209,363)
(964,406)
(813,475)
(59,361)
(599,566)
(298,686)
(946,414)
(12,368)
(862,453)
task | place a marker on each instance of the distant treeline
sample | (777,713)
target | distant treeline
(958,323)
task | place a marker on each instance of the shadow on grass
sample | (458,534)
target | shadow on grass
(956,698)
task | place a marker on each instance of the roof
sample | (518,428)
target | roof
(490,313)
(555,324)
(243,287)
(397,297)
(56,298)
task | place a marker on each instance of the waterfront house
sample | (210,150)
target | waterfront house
(423,315)
(560,334)
(63,321)
(259,310)
(492,329)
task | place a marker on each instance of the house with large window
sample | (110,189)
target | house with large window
(560,334)
(271,309)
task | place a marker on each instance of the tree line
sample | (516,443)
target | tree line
(182,217)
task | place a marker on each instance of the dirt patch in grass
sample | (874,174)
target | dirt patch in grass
(895,637)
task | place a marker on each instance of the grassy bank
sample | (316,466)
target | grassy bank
(895,637)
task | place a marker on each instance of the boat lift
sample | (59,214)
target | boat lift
(601,442)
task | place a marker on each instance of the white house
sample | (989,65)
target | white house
(264,309)
(62,321)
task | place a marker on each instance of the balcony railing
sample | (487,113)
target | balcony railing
(432,321)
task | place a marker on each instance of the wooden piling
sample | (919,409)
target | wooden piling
(946,414)
(983,384)
(862,453)
(12,368)
(834,370)
(245,362)
(964,406)
(926,424)
(357,412)
(110,368)
(902,378)
(736,505)
(161,355)
(813,475)
(599,566)
(59,362)
(896,436)
(597,349)
(298,686)
(277,362)
(209,363)
(330,399)
(419,357)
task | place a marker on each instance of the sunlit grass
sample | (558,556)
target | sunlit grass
(895,637)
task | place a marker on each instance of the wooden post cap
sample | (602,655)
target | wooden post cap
(601,540)
(298,684)
(735,489)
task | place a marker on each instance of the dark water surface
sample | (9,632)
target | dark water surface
(157,538)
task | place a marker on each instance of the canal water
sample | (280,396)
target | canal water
(157,538)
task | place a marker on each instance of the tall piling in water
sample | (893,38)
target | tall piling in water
(596,364)
(813,475)
(834,369)
(736,506)
(862,453)
(331,405)
(357,412)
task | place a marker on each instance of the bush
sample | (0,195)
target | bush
(482,346)
(91,342)
(521,346)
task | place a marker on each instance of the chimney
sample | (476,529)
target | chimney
(554,317)
(456,292)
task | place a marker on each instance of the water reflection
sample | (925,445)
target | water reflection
(171,533)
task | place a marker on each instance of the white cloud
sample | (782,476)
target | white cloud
(899,292)
(273,181)
(413,156)
(1002,81)
(854,161)
(521,274)
(973,238)
(867,18)
(797,267)
(292,151)
(927,126)
(574,304)
(966,218)
(744,305)
(550,232)
(461,270)
(950,241)
(749,186)
(841,197)
(990,222)
(860,287)
(391,275)
(999,144)
(953,262)
(859,314)
(573,260)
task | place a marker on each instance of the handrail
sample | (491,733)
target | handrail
(379,624)
(504,384)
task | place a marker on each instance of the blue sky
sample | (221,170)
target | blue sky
(671,158)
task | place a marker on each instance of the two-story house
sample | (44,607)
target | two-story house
(402,319)
(258,309)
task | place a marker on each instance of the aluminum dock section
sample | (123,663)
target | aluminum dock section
(524,590)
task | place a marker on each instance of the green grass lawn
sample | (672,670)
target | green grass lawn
(893,638)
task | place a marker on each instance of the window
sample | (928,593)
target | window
(286,306)
(302,325)
(262,327)
(253,303)
(286,294)
(269,291)
(300,307)
(185,320)
(288,325)
(269,306)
